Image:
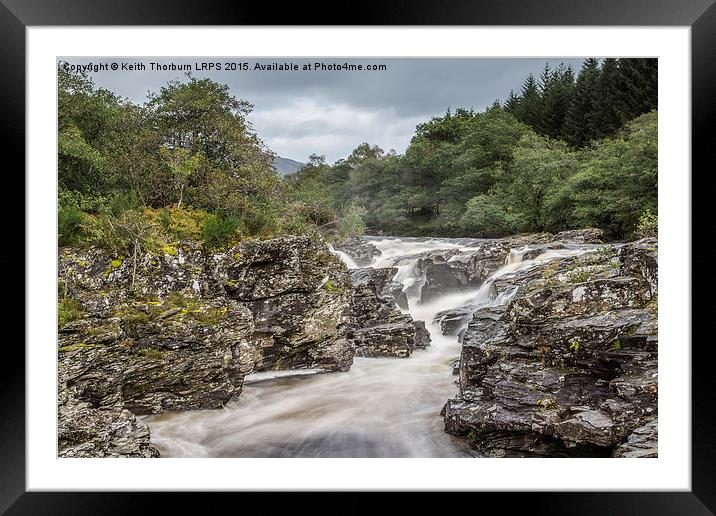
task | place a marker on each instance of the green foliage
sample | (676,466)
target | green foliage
(189,144)
(485,216)
(575,345)
(595,105)
(68,310)
(616,180)
(352,223)
(220,229)
(565,152)
(648,225)
(70,220)
(178,223)
(578,275)
(154,354)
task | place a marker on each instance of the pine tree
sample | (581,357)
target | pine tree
(610,110)
(639,84)
(556,87)
(512,103)
(529,109)
(579,126)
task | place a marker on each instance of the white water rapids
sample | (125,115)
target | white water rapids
(382,407)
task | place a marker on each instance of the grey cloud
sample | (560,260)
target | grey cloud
(302,112)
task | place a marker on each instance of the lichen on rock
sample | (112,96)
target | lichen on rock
(183,330)
(564,368)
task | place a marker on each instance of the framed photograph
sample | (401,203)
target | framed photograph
(417,253)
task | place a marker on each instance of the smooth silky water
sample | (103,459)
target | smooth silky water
(382,407)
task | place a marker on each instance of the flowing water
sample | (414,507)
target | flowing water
(382,407)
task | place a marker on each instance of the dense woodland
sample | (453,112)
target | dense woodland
(569,150)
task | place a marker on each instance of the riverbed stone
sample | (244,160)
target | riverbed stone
(378,327)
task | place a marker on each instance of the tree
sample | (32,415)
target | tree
(182,165)
(512,103)
(580,123)
(486,217)
(529,109)
(617,180)
(610,112)
(539,164)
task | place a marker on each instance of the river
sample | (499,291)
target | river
(382,407)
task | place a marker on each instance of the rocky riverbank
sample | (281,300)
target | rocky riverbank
(567,367)
(558,334)
(180,329)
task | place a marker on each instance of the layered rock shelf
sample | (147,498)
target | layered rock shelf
(568,367)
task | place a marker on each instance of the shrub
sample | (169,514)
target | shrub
(68,310)
(486,217)
(220,229)
(70,221)
(122,202)
(178,223)
(125,234)
(166,218)
(648,225)
(352,223)
(578,276)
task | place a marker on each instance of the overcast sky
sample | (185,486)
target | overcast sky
(298,113)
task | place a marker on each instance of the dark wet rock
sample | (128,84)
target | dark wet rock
(422,335)
(440,277)
(361,251)
(567,368)
(298,293)
(456,368)
(394,290)
(453,320)
(183,331)
(372,303)
(379,328)
(452,270)
(393,339)
(533,252)
(378,283)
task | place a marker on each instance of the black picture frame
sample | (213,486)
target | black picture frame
(700,15)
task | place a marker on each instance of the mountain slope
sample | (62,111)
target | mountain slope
(286,166)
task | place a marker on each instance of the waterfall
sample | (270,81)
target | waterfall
(345,258)
(381,407)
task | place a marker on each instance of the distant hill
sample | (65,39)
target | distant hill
(286,165)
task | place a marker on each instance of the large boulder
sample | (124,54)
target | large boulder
(568,367)
(379,328)
(298,293)
(180,329)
